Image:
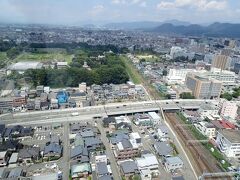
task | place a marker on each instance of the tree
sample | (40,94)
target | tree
(186,96)
(164,72)
(227,96)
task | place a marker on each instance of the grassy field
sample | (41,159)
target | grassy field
(59,56)
(135,77)
(148,57)
(3,56)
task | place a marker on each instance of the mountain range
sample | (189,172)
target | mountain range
(212,30)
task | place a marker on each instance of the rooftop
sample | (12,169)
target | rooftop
(232,135)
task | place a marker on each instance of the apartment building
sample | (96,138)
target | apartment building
(221,62)
(228,142)
(203,87)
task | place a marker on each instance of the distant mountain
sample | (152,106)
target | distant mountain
(143,24)
(213,30)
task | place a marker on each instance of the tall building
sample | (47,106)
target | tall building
(221,62)
(203,87)
(237,68)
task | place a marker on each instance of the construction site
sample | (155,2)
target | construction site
(204,164)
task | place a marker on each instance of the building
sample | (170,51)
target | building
(237,67)
(173,163)
(147,165)
(155,118)
(207,129)
(3,158)
(126,149)
(81,170)
(221,62)
(128,168)
(228,78)
(62,65)
(228,142)
(143,120)
(229,109)
(177,52)
(177,76)
(162,132)
(22,66)
(203,87)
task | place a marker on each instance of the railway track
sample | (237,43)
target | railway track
(204,162)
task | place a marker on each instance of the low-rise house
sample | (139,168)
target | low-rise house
(52,150)
(147,165)
(101,158)
(143,120)
(76,153)
(228,142)
(102,169)
(16,173)
(173,163)
(27,155)
(163,149)
(13,161)
(81,170)
(162,132)
(105,177)
(3,172)
(155,118)
(3,158)
(93,143)
(128,168)
(206,128)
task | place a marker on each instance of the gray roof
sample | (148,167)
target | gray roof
(16,172)
(53,148)
(2,172)
(22,66)
(174,160)
(178,178)
(29,152)
(88,133)
(13,158)
(101,168)
(163,148)
(105,177)
(92,141)
(129,167)
(51,176)
(163,128)
(76,151)
(126,144)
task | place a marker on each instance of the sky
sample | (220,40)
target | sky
(78,12)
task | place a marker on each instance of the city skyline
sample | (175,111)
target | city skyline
(106,11)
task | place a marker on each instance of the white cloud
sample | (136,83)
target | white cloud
(197,4)
(97,10)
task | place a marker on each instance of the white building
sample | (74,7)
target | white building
(147,165)
(177,52)
(229,109)
(226,77)
(162,132)
(22,66)
(228,142)
(207,129)
(177,76)
(208,111)
(154,117)
(173,163)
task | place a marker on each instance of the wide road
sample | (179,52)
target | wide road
(65,115)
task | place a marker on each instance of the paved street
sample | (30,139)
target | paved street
(114,166)
(147,146)
(66,151)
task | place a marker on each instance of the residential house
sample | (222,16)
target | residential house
(206,128)
(173,163)
(163,149)
(81,170)
(147,165)
(102,169)
(27,155)
(13,160)
(128,168)
(52,150)
(162,133)
(3,158)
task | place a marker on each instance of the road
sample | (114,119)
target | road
(65,115)
(148,146)
(113,163)
(66,151)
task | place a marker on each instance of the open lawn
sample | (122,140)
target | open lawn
(59,56)
(3,56)
(148,57)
